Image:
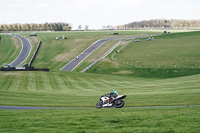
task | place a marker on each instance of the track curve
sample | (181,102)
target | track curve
(26,49)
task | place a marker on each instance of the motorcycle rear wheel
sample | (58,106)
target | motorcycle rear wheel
(119,103)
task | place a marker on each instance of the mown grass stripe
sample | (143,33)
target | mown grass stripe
(15,84)
(46,81)
(60,82)
(24,81)
(31,81)
(93,84)
(53,82)
(57,82)
(65,81)
(8,81)
(87,84)
(3,82)
(98,85)
(82,82)
(68,84)
(103,85)
(39,83)
(114,83)
(107,84)
(74,84)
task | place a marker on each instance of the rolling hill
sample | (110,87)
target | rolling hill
(166,56)
(144,86)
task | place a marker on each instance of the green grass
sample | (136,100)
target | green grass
(9,49)
(165,120)
(167,56)
(74,89)
(65,89)
(180,49)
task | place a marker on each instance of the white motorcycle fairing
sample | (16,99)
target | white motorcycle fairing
(118,102)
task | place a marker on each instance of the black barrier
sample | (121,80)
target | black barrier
(115,33)
(25,69)
(36,51)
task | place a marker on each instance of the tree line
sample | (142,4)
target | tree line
(36,27)
(161,23)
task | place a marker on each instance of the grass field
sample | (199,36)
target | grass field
(180,49)
(75,89)
(167,56)
(10,48)
(165,120)
(65,89)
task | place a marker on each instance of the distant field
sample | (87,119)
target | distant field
(180,49)
(172,55)
(10,48)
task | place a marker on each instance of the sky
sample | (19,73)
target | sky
(95,13)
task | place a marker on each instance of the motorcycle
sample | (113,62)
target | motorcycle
(117,102)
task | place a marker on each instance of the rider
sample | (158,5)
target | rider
(113,94)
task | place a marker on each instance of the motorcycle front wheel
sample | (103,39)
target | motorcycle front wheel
(119,103)
(99,105)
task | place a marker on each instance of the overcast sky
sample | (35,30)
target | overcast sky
(96,13)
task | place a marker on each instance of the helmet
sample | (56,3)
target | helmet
(112,91)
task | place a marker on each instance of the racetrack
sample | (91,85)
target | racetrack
(26,49)
(36,108)
(75,62)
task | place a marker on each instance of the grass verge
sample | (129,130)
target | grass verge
(10,48)
(171,120)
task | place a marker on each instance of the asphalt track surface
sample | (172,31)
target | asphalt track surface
(26,48)
(76,61)
(39,108)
